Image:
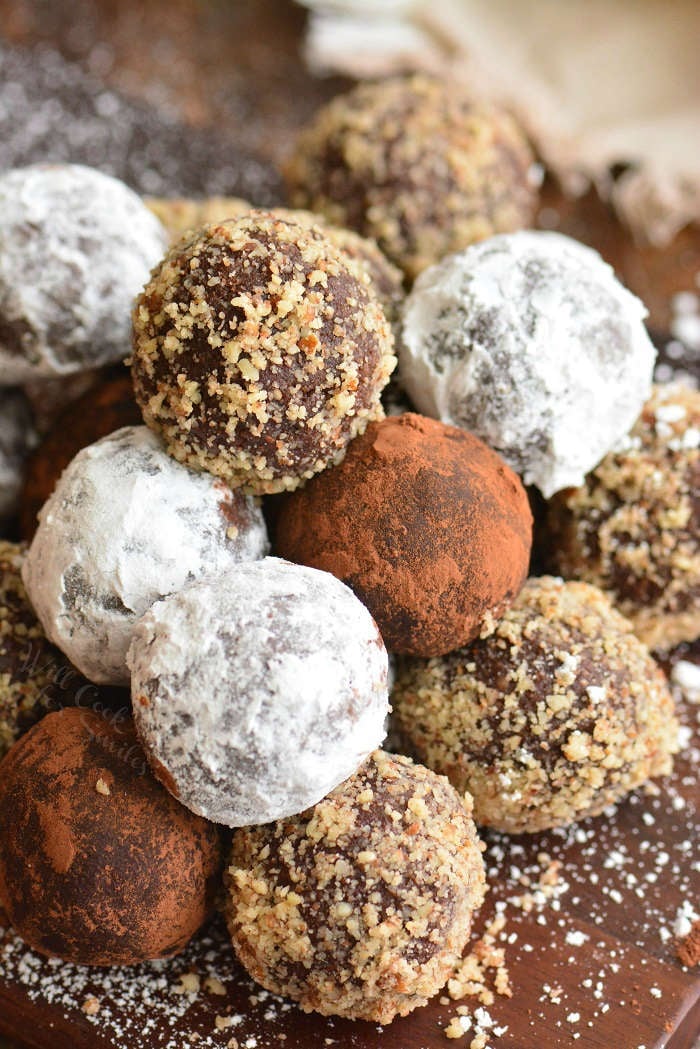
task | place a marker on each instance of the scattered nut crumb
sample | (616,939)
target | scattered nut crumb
(470,977)
(189,984)
(214,986)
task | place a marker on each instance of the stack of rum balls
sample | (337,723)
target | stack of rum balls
(263,347)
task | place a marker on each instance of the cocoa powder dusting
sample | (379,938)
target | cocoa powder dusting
(426,524)
(688,950)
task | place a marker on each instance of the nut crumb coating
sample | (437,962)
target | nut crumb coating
(558,712)
(633,527)
(34,676)
(361,906)
(418,165)
(260,351)
(179,215)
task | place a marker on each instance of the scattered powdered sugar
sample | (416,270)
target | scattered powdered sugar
(529,340)
(127,525)
(17,437)
(77,247)
(261,692)
(685,916)
(686,676)
(148,1006)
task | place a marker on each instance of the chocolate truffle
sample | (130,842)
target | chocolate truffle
(17,436)
(257,693)
(557,712)
(99,865)
(179,216)
(633,527)
(386,279)
(101,410)
(126,526)
(529,341)
(418,165)
(361,906)
(259,352)
(34,676)
(77,248)
(426,524)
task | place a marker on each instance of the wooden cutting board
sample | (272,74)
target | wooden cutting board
(589,912)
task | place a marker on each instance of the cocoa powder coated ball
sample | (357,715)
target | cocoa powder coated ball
(260,351)
(362,905)
(99,865)
(425,523)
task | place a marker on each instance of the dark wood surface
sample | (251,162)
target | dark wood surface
(604,937)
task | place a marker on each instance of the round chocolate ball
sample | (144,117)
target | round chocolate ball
(361,906)
(17,437)
(34,676)
(78,246)
(179,216)
(125,526)
(386,280)
(99,865)
(554,715)
(260,352)
(257,693)
(529,341)
(418,165)
(633,527)
(101,410)
(425,523)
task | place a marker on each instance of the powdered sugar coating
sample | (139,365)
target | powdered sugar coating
(529,340)
(78,246)
(125,526)
(257,694)
(17,437)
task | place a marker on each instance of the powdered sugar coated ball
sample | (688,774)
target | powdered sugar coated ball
(17,437)
(257,694)
(528,340)
(77,247)
(125,526)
